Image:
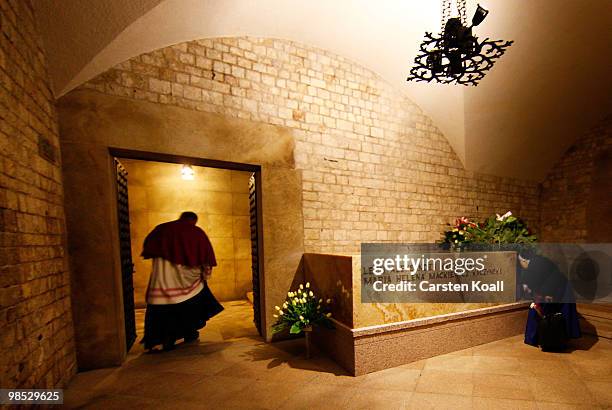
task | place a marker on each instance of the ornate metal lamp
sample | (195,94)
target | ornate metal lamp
(456,55)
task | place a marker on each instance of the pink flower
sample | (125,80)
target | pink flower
(463,221)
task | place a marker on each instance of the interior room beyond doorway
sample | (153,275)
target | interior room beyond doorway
(158,192)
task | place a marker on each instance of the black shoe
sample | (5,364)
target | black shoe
(167,347)
(169,344)
(192,337)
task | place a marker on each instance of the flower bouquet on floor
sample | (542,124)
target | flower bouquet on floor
(301,311)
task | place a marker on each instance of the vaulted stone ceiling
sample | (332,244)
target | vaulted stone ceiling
(551,86)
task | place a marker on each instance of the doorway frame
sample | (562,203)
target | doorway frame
(219,164)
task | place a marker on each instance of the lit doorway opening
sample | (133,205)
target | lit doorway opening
(153,189)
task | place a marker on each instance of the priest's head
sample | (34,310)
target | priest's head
(189,216)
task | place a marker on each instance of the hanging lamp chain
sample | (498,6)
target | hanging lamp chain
(462,9)
(447,10)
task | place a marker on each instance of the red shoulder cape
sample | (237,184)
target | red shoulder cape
(181,243)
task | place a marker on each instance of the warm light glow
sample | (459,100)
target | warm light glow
(187,173)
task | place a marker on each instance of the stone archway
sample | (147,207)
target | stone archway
(91,124)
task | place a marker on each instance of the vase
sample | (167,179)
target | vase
(307,332)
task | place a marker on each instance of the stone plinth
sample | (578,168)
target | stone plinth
(374,336)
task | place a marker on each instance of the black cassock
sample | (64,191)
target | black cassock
(164,324)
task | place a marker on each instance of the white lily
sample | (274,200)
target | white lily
(504,216)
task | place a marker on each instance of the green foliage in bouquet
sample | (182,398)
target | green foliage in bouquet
(503,229)
(301,310)
(497,229)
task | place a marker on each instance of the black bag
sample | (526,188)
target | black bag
(551,332)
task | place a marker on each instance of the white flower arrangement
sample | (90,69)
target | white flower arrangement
(301,310)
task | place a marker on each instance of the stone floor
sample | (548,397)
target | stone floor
(232,368)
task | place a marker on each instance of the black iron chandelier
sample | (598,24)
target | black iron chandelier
(456,55)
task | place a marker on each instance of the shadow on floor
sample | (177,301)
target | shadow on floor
(293,354)
(586,342)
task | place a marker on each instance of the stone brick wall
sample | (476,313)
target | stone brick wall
(577,193)
(36,337)
(374,167)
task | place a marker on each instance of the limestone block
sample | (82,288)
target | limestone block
(218,203)
(137,197)
(223,247)
(241,227)
(240,181)
(220,226)
(241,204)
(242,248)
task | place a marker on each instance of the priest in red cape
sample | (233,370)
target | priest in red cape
(179,301)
